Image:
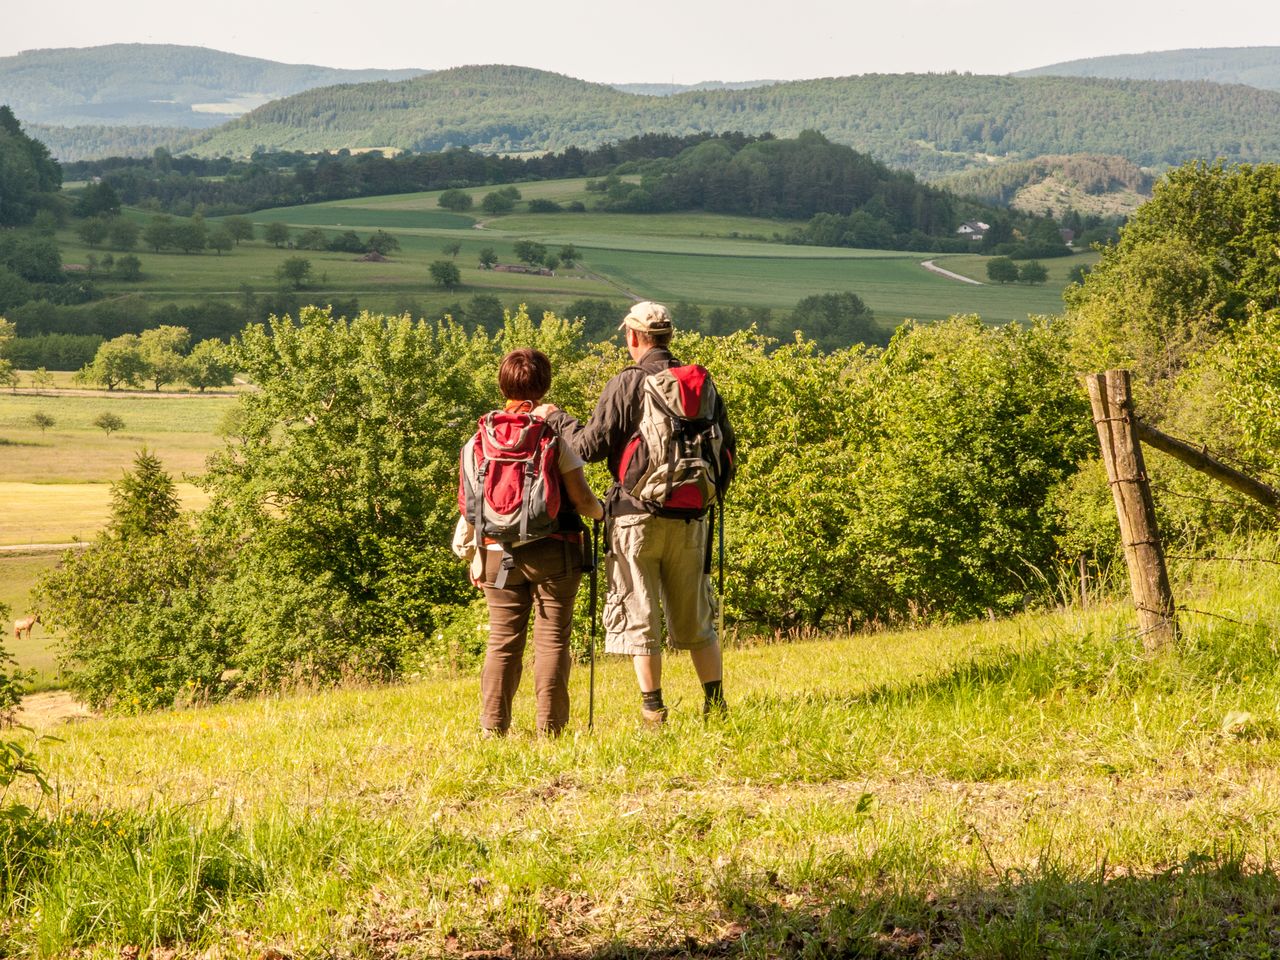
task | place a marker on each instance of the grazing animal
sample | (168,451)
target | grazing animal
(25,625)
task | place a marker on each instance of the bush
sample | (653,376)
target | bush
(456,200)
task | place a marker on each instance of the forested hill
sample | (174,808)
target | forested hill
(155,84)
(1081,182)
(1255,66)
(929,123)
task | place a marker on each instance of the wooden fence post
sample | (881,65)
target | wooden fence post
(1126,473)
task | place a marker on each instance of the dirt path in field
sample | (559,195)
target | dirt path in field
(612,283)
(934,268)
(128,394)
(43,547)
(50,708)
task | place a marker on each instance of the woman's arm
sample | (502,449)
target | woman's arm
(580,495)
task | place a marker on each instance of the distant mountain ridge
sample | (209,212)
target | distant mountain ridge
(165,85)
(932,124)
(668,89)
(1252,66)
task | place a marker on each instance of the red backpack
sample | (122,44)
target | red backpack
(509,485)
(676,461)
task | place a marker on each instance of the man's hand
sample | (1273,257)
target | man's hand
(545,410)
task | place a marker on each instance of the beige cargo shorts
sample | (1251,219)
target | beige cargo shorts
(655,573)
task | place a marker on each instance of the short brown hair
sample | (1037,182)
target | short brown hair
(656,339)
(525,375)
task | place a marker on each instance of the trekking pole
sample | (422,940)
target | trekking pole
(591,650)
(720,588)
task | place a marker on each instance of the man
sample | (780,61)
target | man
(656,565)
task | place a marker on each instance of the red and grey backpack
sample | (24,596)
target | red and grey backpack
(676,462)
(509,486)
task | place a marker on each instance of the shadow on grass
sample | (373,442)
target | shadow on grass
(1201,908)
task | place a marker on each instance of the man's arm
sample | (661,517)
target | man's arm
(604,432)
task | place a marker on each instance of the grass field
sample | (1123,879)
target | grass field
(709,259)
(1028,788)
(18,574)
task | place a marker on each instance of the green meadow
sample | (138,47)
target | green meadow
(703,258)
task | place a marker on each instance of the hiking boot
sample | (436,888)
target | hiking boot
(653,718)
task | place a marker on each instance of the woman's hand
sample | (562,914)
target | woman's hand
(580,495)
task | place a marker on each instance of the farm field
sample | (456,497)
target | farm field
(18,574)
(703,258)
(1032,787)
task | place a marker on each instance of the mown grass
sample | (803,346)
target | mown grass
(1032,787)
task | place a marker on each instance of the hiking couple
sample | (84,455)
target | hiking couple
(662,429)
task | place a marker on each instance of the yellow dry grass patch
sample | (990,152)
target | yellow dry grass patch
(62,512)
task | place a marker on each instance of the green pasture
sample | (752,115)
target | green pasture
(1025,788)
(18,574)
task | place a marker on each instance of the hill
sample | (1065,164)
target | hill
(1254,66)
(152,84)
(1103,186)
(667,89)
(929,123)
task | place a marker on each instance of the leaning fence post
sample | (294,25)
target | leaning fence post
(1126,473)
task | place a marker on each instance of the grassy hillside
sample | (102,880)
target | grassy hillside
(154,84)
(928,123)
(1255,66)
(1032,787)
(1105,186)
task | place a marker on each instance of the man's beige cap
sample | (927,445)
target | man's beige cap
(647,317)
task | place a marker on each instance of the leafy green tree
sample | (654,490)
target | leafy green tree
(347,242)
(382,242)
(190,236)
(451,249)
(531,252)
(1002,270)
(488,259)
(497,203)
(163,348)
(295,271)
(93,230)
(551,262)
(98,200)
(240,228)
(276,234)
(41,379)
(8,330)
(128,268)
(109,423)
(123,233)
(313,238)
(1033,271)
(208,365)
(159,232)
(220,239)
(445,274)
(14,290)
(569,254)
(456,200)
(118,362)
(144,501)
(42,420)
(833,321)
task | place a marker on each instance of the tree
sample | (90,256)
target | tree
(295,271)
(41,379)
(98,200)
(93,231)
(123,233)
(162,348)
(381,242)
(1002,270)
(109,422)
(128,268)
(220,239)
(531,252)
(276,234)
(190,236)
(240,228)
(313,238)
(42,420)
(158,233)
(143,502)
(347,242)
(452,249)
(445,274)
(497,203)
(569,254)
(551,262)
(488,259)
(833,321)
(208,365)
(118,361)
(1033,271)
(456,200)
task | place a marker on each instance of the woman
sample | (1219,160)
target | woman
(541,576)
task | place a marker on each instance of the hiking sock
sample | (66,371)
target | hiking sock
(652,700)
(713,694)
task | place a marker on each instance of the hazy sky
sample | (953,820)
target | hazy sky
(658,40)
